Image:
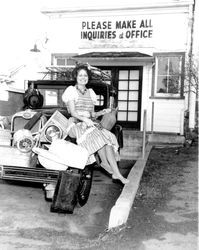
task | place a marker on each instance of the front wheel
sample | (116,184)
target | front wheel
(85,184)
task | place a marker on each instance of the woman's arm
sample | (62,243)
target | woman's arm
(100,113)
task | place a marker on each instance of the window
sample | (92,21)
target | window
(61,61)
(128,95)
(168,74)
(100,100)
(52,96)
(127,81)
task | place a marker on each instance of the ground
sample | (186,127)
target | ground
(164,214)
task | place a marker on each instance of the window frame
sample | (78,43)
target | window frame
(63,56)
(154,93)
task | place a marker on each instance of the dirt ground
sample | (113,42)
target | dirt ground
(164,214)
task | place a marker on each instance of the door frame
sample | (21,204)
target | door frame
(115,82)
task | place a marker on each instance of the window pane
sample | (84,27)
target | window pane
(133,106)
(121,116)
(133,85)
(173,85)
(123,85)
(168,84)
(162,65)
(123,74)
(128,94)
(134,74)
(132,116)
(161,84)
(168,79)
(50,97)
(133,95)
(122,105)
(174,65)
(122,95)
(61,61)
(100,100)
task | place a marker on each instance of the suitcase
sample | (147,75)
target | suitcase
(65,195)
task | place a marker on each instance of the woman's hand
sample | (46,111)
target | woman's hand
(95,115)
(105,111)
(88,122)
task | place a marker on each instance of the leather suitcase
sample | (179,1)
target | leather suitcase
(65,195)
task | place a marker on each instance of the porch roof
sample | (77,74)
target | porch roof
(112,54)
(113,58)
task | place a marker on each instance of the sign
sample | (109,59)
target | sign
(110,32)
(51,97)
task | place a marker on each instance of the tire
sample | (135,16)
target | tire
(83,191)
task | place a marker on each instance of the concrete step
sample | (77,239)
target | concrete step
(158,139)
(130,153)
(133,138)
(132,145)
(132,142)
(132,133)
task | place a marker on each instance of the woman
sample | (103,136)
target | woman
(80,102)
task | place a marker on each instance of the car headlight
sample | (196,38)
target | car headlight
(23,140)
(52,132)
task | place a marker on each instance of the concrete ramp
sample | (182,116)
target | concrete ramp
(120,211)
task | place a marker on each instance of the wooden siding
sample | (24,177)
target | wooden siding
(168,116)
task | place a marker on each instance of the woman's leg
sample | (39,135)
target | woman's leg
(111,159)
(104,160)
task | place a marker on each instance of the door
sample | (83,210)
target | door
(128,81)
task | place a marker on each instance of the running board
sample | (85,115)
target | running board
(28,174)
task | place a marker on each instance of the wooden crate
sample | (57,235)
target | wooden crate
(11,156)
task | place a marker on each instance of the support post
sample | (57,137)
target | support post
(152,118)
(144,135)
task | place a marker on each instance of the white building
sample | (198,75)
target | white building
(144,45)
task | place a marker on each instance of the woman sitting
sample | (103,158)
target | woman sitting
(80,102)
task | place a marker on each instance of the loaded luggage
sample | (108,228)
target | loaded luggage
(65,195)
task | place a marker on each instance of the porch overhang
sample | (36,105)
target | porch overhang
(114,58)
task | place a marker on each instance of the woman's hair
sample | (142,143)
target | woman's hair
(80,67)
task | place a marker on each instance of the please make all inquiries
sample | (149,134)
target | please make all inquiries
(117,29)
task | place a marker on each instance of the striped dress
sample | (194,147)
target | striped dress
(90,138)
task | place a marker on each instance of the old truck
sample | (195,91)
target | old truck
(23,147)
